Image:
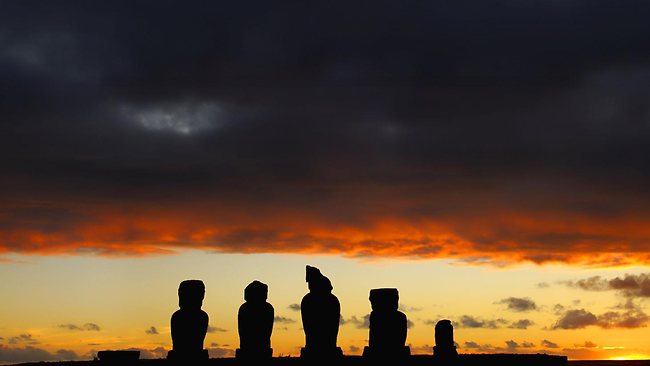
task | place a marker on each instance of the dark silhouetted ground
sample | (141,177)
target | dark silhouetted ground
(415,360)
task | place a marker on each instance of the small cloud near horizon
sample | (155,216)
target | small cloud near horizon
(212,329)
(518,304)
(282,319)
(581,318)
(85,327)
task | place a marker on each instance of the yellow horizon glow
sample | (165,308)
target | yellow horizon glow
(636,356)
(126,296)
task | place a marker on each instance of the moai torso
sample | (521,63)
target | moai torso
(388,325)
(189,324)
(255,320)
(445,349)
(320,311)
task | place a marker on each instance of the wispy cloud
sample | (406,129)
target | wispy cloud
(212,329)
(548,344)
(468,321)
(87,327)
(22,338)
(362,322)
(510,346)
(282,319)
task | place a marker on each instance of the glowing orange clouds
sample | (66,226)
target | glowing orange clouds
(386,226)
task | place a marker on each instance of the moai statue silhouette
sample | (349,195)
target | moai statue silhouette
(189,324)
(444,352)
(255,323)
(388,327)
(321,313)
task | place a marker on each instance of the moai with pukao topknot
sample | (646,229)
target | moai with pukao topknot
(321,312)
(444,352)
(255,324)
(189,324)
(388,327)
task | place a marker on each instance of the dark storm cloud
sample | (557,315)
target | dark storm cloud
(341,112)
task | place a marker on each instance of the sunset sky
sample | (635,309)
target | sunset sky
(490,159)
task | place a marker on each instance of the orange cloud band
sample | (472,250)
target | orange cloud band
(496,235)
(506,221)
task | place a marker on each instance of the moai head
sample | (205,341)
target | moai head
(256,291)
(190,294)
(384,299)
(316,281)
(444,334)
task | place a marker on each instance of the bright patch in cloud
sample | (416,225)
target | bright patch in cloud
(184,118)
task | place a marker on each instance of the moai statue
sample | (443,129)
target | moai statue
(255,324)
(444,351)
(387,327)
(321,313)
(189,324)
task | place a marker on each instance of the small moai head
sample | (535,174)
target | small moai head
(444,334)
(190,294)
(256,291)
(384,299)
(316,281)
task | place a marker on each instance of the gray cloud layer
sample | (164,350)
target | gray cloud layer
(33,354)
